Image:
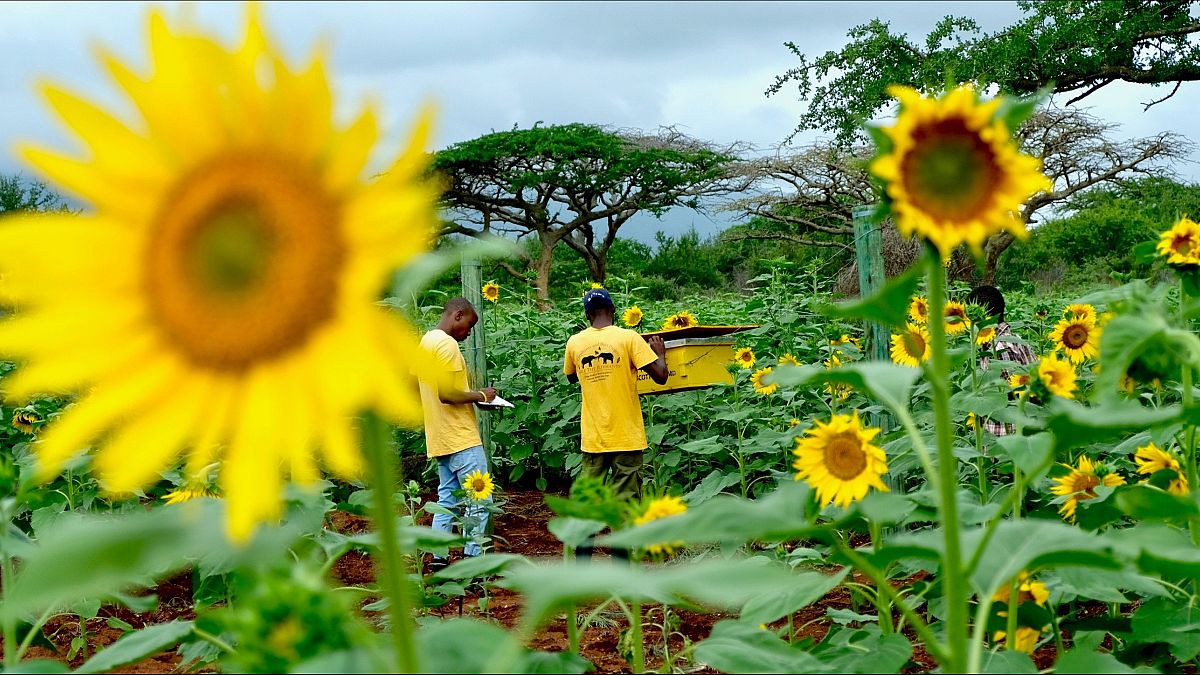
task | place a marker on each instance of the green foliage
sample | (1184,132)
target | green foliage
(1100,235)
(19,194)
(1068,46)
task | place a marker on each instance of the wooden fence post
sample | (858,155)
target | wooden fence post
(475,347)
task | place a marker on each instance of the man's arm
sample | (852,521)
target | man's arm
(657,370)
(458,397)
(572,378)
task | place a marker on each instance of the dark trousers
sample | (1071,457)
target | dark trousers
(624,471)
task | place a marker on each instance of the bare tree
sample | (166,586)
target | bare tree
(809,195)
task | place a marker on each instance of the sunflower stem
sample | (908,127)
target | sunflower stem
(384,477)
(953,582)
(639,651)
(10,622)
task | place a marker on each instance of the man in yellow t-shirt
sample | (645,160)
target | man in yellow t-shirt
(605,359)
(451,432)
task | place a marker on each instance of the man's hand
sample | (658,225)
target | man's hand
(489,393)
(656,343)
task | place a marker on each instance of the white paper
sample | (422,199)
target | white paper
(497,402)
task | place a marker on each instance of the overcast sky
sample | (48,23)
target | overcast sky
(703,66)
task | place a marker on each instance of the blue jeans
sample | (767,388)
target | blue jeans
(452,474)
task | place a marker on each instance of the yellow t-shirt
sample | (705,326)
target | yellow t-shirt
(607,361)
(449,427)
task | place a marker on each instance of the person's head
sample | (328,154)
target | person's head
(458,318)
(990,298)
(597,303)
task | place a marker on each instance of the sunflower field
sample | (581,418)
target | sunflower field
(209,460)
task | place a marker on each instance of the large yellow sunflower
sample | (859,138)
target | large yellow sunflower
(756,379)
(491,291)
(632,316)
(1080,484)
(684,319)
(744,357)
(953,173)
(918,310)
(662,507)
(1181,244)
(1078,338)
(837,459)
(479,485)
(1084,312)
(957,320)
(911,347)
(220,296)
(1150,460)
(1057,376)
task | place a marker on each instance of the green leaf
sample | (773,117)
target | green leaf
(807,588)
(888,306)
(39,666)
(1175,623)
(574,532)
(1028,544)
(1006,661)
(1147,503)
(1091,663)
(886,507)
(720,583)
(1106,585)
(863,650)
(469,646)
(736,647)
(138,645)
(474,567)
(1075,425)
(889,383)
(1027,452)
(726,519)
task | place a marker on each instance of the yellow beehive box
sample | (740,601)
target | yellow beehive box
(697,357)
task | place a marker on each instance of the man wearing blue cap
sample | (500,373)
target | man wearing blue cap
(605,359)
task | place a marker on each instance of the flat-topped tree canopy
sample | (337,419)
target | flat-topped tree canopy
(576,184)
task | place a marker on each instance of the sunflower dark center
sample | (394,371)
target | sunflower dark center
(844,456)
(914,344)
(951,172)
(1075,336)
(243,261)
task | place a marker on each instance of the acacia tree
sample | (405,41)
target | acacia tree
(575,184)
(813,191)
(1075,48)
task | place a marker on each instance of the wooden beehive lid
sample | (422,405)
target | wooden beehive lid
(697,332)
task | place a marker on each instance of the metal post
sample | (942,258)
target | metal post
(475,346)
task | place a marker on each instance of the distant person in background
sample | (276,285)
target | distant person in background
(1002,345)
(604,359)
(451,432)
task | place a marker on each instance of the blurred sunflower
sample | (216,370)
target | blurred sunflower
(662,507)
(1082,312)
(1078,338)
(226,277)
(952,170)
(957,320)
(479,485)
(1150,460)
(789,360)
(911,347)
(985,335)
(1027,589)
(632,316)
(756,379)
(744,357)
(918,310)
(793,423)
(24,420)
(1058,377)
(1041,312)
(1018,380)
(491,291)
(837,459)
(847,340)
(839,391)
(1026,642)
(972,420)
(1080,485)
(1181,244)
(684,319)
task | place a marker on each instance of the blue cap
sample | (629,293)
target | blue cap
(597,298)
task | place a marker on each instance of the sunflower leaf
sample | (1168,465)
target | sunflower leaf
(889,383)
(738,647)
(888,305)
